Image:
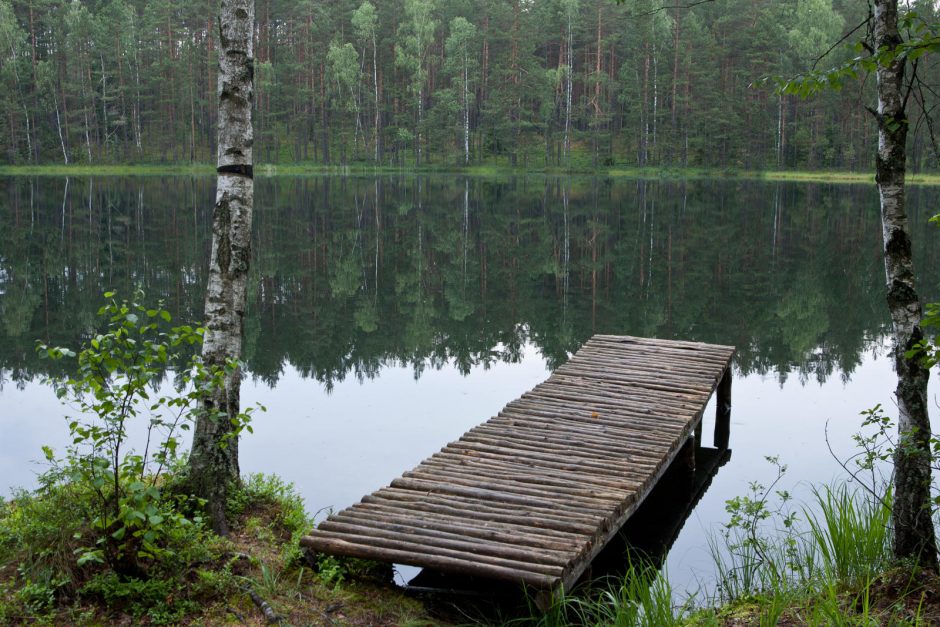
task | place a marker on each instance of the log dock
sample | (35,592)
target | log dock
(533,494)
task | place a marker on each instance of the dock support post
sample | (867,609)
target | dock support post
(688,453)
(723,411)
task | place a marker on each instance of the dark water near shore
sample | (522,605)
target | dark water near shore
(387,316)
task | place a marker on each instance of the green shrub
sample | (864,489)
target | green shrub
(161,600)
(108,520)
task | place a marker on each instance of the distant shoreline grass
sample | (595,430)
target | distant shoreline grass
(307,169)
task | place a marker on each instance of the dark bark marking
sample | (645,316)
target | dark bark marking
(223,218)
(241,169)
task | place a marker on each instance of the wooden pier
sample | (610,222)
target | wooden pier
(533,494)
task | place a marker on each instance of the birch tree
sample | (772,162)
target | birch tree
(213,462)
(461,64)
(416,36)
(364,21)
(342,62)
(888,57)
(914,532)
(569,9)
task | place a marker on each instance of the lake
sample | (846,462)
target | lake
(388,315)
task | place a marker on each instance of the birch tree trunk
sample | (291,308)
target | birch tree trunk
(568,89)
(378,113)
(213,462)
(913,533)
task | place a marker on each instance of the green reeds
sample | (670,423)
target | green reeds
(642,597)
(850,533)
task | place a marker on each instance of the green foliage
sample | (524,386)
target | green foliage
(331,570)
(158,599)
(41,534)
(117,383)
(106,522)
(123,81)
(851,533)
(766,555)
(923,37)
(642,597)
(760,549)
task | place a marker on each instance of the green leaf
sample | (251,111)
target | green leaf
(166,315)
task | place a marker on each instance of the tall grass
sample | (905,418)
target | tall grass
(850,533)
(642,597)
(818,570)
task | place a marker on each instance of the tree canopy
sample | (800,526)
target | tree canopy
(351,81)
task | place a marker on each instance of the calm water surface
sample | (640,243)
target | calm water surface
(387,316)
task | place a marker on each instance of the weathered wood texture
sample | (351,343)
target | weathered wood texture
(533,494)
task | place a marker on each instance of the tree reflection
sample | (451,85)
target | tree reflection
(352,274)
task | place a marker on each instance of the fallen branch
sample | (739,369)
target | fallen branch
(269,614)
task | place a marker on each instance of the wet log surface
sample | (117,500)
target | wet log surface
(533,494)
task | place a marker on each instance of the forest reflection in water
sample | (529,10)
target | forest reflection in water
(421,305)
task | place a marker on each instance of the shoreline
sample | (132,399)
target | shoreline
(613,172)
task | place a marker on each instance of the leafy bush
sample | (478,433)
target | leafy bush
(106,522)
(118,380)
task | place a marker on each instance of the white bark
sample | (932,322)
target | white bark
(568,88)
(213,466)
(914,532)
(466,112)
(375,85)
(58,125)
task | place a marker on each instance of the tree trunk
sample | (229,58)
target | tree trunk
(913,525)
(213,463)
(568,89)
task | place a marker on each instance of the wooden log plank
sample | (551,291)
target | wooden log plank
(676,370)
(478,464)
(615,449)
(485,528)
(589,424)
(622,340)
(574,516)
(624,364)
(602,353)
(687,391)
(516,483)
(667,356)
(640,403)
(556,432)
(546,518)
(575,392)
(442,540)
(479,448)
(539,462)
(456,528)
(605,415)
(420,546)
(465,564)
(544,445)
(442,487)
(600,412)
(628,378)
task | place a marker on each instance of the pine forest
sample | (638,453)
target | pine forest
(443,83)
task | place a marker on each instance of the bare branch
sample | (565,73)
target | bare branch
(841,39)
(680,7)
